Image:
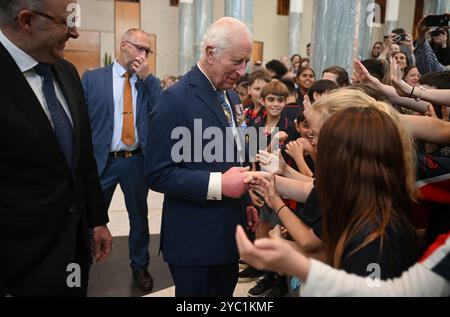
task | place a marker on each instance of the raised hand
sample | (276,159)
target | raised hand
(308,148)
(141,67)
(402,88)
(364,77)
(295,149)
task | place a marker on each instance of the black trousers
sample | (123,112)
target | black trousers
(205,281)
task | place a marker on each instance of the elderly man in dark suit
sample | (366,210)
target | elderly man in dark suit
(120,98)
(202,204)
(50,194)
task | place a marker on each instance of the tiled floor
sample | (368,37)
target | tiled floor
(119,227)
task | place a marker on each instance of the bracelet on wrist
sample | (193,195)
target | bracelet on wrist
(412,92)
(279,209)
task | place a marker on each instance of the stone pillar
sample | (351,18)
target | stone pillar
(392,14)
(203,19)
(295,26)
(186,37)
(341,33)
(436,7)
(241,10)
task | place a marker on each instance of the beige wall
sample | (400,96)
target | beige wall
(267,25)
(159,18)
(98,15)
(406,18)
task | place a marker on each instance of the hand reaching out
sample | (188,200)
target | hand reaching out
(256,200)
(266,187)
(275,255)
(402,88)
(272,163)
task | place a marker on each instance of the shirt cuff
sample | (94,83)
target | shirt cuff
(215,187)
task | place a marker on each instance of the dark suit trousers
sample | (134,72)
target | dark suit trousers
(129,173)
(205,281)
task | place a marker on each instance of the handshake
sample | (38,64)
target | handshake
(238,180)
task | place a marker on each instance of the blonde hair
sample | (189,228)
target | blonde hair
(345,98)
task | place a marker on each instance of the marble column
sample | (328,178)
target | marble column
(341,33)
(392,14)
(186,37)
(295,26)
(203,19)
(241,10)
(436,7)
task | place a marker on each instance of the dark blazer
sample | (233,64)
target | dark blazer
(43,203)
(194,231)
(98,90)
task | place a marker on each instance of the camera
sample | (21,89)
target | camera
(436,20)
(438,32)
(400,38)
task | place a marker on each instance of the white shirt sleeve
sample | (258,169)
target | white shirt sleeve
(418,281)
(215,187)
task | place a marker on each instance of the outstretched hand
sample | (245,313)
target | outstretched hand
(271,163)
(275,255)
(266,187)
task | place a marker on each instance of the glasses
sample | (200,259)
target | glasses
(62,21)
(148,51)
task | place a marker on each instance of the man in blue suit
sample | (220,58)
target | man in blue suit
(202,204)
(120,98)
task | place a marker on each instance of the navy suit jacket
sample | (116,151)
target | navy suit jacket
(98,91)
(194,231)
(41,198)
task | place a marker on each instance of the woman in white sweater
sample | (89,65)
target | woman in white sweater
(430,277)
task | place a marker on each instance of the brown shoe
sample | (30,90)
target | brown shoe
(143,279)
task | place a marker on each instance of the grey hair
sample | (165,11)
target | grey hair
(9,9)
(128,34)
(223,33)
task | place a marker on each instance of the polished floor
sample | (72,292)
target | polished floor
(113,278)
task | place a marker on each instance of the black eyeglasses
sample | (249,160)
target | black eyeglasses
(148,52)
(62,21)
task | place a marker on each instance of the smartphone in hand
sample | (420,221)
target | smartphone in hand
(436,20)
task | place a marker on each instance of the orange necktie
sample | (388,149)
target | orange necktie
(128,116)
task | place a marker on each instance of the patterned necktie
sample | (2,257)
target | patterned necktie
(226,108)
(61,123)
(128,136)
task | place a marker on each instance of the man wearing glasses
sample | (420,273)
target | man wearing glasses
(119,99)
(50,194)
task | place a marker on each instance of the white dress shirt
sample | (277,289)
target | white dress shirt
(26,65)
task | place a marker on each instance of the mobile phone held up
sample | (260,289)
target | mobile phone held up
(436,20)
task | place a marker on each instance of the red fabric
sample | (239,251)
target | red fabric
(439,242)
